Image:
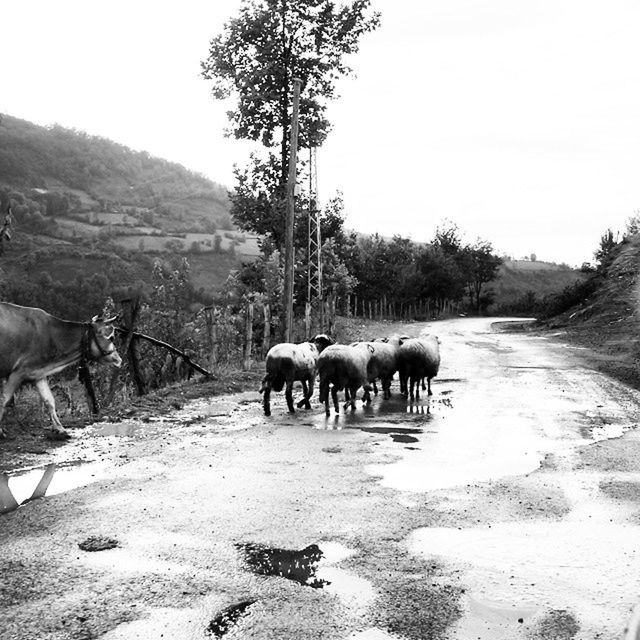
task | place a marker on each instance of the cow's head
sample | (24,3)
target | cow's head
(100,342)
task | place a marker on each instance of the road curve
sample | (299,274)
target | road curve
(507,506)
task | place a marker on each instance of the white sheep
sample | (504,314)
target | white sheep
(287,363)
(383,363)
(418,358)
(345,367)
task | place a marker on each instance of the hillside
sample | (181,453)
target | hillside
(605,319)
(75,196)
(522,286)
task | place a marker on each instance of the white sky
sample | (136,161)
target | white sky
(519,120)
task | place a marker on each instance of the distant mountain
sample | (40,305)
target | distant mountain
(86,206)
(96,174)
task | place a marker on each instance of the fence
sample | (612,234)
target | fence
(214,339)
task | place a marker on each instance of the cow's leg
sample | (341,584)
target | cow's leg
(288,394)
(412,382)
(375,388)
(10,387)
(47,397)
(429,387)
(423,386)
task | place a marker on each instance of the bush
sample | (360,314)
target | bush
(569,297)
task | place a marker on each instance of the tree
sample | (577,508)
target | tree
(480,266)
(606,251)
(268,44)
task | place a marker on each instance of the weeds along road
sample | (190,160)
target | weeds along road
(506,507)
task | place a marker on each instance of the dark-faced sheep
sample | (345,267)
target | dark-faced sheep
(418,358)
(344,367)
(287,363)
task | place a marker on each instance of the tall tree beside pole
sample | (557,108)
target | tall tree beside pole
(291,185)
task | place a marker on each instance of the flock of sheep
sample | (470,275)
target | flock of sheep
(343,367)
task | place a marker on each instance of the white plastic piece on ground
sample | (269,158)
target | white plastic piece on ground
(633,629)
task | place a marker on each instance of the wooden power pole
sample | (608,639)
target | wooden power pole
(291,185)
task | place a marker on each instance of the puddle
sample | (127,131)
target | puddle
(22,487)
(521,569)
(227,618)
(313,566)
(402,437)
(372,634)
(299,566)
(126,429)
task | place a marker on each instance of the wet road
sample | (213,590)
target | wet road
(507,506)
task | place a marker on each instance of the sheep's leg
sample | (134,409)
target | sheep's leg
(266,398)
(429,386)
(353,391)
(375,388)
(334,397)
(10,387)
(424,388)
(307,391)
(323,395)
(412,382)
(403,385)
(288,394)
(418,381)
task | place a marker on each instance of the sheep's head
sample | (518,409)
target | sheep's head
(322,341)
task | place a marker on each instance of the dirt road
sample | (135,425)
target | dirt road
(506,507)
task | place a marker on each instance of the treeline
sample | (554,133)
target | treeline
(31,154)
(400,272)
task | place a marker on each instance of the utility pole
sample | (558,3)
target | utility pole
(291,185)
(314,248)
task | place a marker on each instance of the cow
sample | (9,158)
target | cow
(35,345)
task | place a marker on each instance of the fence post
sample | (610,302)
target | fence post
(307,319)
(213,329)
(266,334)
(133,307)
(248,337)
(332,313)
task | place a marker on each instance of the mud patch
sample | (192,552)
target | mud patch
(418,609)
(402,437)
(300,566)
(621,489)
(556,625)
(227,618)
(98,543)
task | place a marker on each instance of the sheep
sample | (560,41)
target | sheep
(418,358)
(286,363)
(344,367)
(383,363)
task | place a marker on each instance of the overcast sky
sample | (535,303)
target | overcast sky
(518,120)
